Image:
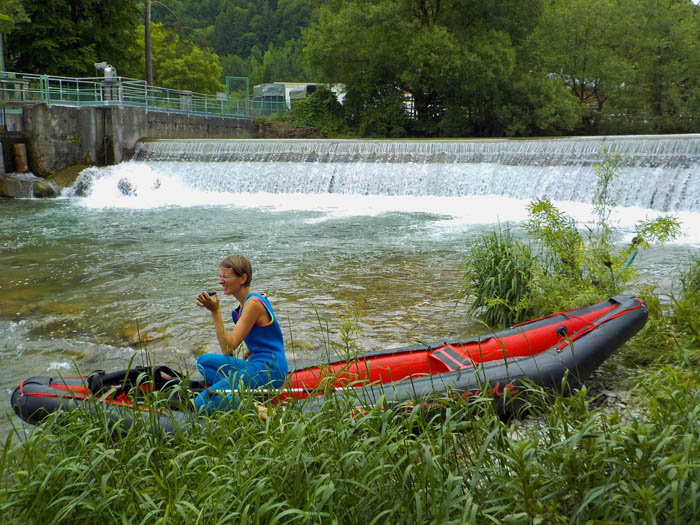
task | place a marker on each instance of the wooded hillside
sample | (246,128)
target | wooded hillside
(469,67)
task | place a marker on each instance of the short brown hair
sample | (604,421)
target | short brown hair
(239,264)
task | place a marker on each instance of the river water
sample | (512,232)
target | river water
(370,231)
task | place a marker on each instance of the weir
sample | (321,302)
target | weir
(658,172)
(640,151)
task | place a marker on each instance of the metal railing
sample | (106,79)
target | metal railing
(22,88)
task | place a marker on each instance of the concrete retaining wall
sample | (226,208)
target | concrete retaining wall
(59,136)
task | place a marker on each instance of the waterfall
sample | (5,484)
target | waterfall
(658,172)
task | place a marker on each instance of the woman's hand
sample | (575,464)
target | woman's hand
(210,302)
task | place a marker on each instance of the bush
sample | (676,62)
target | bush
(320,110)
(380,113)
(567,267)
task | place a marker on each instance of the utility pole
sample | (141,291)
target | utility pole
(147,38)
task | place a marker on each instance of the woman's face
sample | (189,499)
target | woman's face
(229,281)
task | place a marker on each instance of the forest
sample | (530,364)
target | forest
(416,68)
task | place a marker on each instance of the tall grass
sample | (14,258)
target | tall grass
(565,462)
(498,279)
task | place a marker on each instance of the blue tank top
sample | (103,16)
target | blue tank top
(265,342)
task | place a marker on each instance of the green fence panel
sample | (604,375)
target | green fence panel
(123,91)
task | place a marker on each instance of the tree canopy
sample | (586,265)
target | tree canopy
(457,60)
(67,37)
(177,63)
(410,67)
(11,13)
(505,67)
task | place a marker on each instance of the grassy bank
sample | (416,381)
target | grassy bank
(565,461)
(569,459)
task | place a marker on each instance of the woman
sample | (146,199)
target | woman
(264,362)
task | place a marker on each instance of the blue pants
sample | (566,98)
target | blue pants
(223,372)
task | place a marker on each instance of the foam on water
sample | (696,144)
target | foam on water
(136,186)
(139,185)
(657,172)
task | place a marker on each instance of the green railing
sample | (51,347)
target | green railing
(121,91)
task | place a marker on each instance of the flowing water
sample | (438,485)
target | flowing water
(372,231)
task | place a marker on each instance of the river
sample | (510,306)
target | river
(370,231)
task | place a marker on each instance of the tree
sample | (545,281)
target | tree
(243,24)
(11,13)
(586,40)
(536,105)
(178,63)
(256,39)
(634,62)
(454,57)
(66,37)
(666,56)
(282,63)
(364,45)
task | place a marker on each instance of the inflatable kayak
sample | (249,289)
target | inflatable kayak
(569,344)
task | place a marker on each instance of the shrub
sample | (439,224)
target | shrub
(379,113)
(320,110)
(567,267)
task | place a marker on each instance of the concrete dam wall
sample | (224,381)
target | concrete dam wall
(59,136)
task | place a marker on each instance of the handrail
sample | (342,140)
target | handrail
(123,91)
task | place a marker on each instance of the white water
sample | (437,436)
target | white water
(660,173)
(368,190)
